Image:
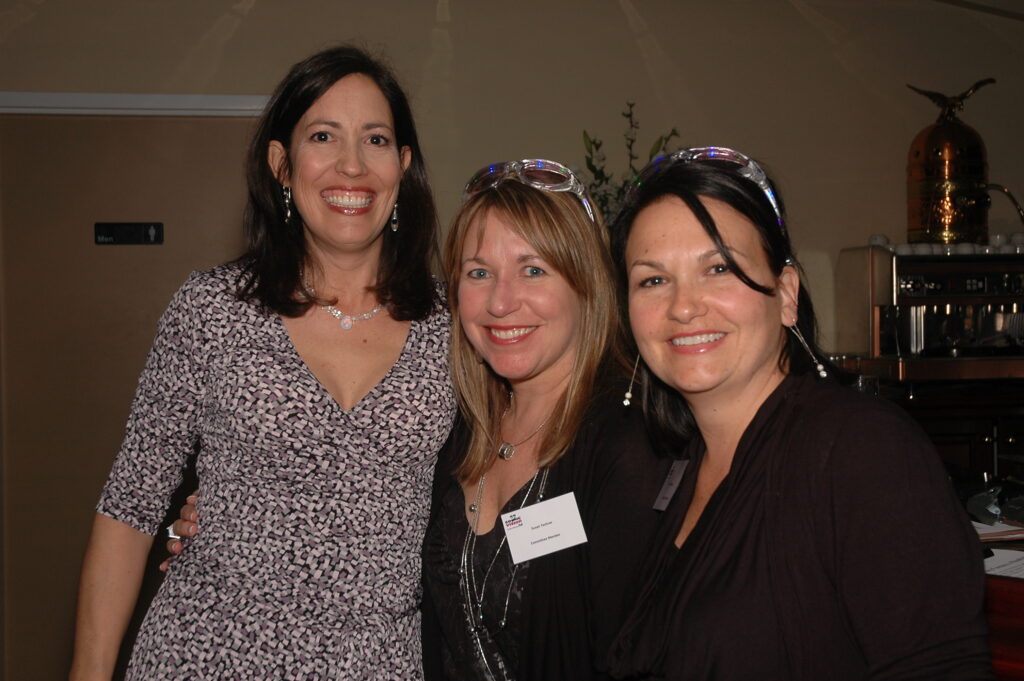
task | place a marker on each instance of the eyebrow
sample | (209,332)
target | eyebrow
(525,257)
(653,264)
(703,257)
(337,126)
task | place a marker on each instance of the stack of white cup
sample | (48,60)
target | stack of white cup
(999,244)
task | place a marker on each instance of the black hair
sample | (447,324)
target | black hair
(276,246)
(669,419)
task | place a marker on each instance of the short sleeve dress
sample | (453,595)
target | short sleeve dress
(308,565)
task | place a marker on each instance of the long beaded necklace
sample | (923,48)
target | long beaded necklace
(344,320)
(473,595)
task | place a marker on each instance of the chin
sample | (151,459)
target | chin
(693,385)
(512,375)
(505,369)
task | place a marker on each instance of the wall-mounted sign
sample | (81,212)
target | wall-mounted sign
(121,233)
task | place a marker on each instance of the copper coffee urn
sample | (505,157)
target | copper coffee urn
(947,177)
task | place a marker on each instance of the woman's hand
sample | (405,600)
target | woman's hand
(186,526)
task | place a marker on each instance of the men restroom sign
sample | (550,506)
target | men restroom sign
(124,233)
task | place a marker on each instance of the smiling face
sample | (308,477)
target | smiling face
(345,166)
(699,328)
(518,312)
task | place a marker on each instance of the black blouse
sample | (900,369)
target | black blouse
(487,648)
(834,549)
(565,607)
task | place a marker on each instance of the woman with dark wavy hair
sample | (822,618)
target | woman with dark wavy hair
(311,375)
(814,534)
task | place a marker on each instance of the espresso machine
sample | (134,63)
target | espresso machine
(930,317)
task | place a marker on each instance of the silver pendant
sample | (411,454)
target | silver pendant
(506,450)
(346,322)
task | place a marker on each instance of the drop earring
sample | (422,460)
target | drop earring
(629,390)
(394,218)
(817,363)
(286,192)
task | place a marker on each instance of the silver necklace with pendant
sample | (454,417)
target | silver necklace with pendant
(344,320)
(506,450)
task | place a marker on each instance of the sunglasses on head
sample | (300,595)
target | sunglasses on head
(745,167)
(549,176)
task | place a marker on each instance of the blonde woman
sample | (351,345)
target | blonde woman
(535,363)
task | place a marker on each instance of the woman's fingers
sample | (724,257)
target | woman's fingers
(174,547)
(188,511)
(184,527)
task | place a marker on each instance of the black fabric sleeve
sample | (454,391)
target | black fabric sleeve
(577,598)
(432,638)
(907,563)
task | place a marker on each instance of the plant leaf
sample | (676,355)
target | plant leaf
(656,147)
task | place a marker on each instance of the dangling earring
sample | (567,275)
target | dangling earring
(629,390)
(287,193)
(394,218)
(817,363)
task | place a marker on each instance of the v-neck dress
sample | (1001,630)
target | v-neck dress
(308,564)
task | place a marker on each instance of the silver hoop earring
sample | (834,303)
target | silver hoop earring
(817,363)
(394,218)
(287,193)
(629,390)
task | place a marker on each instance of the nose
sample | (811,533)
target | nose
(350,160)
(687,304)
(504,298)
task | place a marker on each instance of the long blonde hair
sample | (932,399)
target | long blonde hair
(557,226)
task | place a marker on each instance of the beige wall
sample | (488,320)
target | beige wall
(814,87)
(77,322)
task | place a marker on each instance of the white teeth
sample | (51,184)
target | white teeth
(509,334)
(697,340)
(348,200)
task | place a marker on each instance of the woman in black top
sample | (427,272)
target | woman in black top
(814,534)
(535,344)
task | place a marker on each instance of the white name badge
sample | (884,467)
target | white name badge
(543,528)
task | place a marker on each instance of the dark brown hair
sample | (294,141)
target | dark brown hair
(276,246)
(669,419)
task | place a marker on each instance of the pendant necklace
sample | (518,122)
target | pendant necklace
(507,449)
(344,320)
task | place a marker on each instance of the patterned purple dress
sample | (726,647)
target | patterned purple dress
(308,565)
